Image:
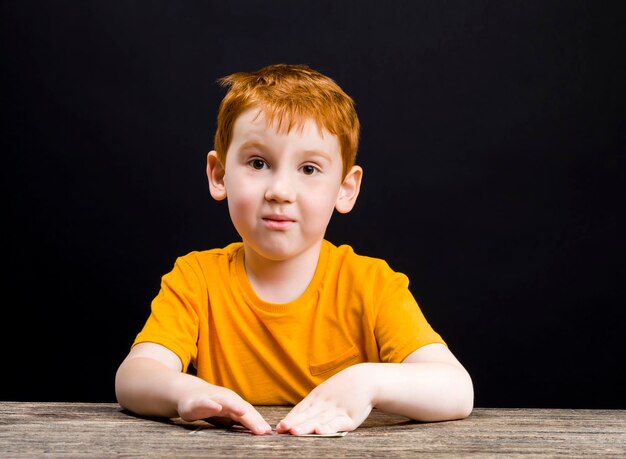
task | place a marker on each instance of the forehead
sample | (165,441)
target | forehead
(254,126)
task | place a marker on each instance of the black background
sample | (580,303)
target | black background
(493,145)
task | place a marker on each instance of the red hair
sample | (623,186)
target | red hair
(288,95)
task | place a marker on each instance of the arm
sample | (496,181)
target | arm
(429,385)
(150,382)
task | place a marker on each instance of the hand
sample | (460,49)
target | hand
(150,382)
(223,408)
(339,404)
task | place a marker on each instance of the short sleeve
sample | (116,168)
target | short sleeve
(400,326)
(174,318)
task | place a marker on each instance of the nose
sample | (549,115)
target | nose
(280,188)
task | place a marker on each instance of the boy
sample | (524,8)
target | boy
(285,317)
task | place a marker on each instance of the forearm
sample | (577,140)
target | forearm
(428,391)
(424,391)
(147,387)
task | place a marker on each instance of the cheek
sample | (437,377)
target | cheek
(320,204)
(242,200)
(240,203)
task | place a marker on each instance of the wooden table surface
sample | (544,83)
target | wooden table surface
(39,429)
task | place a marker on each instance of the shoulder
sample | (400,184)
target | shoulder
(345,259)
(207,260)
(199,269)
(212,255)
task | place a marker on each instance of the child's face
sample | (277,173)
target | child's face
(282,187)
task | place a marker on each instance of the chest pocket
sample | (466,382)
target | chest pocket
(339,362)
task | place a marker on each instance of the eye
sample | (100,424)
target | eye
(309,169)
(257,164)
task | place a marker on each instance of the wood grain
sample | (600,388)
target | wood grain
(89,430)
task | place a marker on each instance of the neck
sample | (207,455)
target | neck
(281,281)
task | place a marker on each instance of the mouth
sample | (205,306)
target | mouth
(277,222)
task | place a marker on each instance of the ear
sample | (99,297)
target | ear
(215,173)
(349,190)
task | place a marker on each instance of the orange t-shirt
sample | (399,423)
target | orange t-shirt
(356,309)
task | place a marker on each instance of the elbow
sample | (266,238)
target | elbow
(451,400)
(124,387)
(458,402)
(465,400)
(119,392)
(465,409)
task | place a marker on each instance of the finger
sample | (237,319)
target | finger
(338,424)
(292,419)
(242,412)
(312,422)
(232,406)
(298,415)
(255,422)
(226,423)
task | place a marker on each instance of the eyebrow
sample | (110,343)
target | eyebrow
(321,153)
(257,144)
(251,144)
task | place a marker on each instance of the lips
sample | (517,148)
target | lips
(277,222)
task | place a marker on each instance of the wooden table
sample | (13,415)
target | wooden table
(37,429)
